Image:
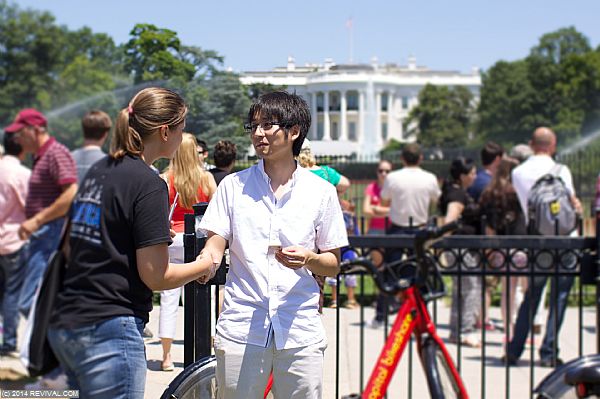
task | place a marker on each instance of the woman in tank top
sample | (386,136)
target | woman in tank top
(188,184)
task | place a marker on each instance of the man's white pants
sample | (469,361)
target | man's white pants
(243,370)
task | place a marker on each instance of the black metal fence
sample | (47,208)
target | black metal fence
(484,257)
(457,257)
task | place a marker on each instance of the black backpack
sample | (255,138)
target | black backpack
(549,206)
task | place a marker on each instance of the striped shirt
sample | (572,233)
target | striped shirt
(53,167)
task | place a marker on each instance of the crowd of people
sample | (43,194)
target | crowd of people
(491,201)
(283,219)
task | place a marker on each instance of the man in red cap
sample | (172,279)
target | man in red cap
(52,186)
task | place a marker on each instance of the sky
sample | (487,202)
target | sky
(260,35)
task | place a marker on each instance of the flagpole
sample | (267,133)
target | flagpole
(349,25)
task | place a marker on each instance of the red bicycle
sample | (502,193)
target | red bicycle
(416,281)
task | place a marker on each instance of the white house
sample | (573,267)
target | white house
(357,108)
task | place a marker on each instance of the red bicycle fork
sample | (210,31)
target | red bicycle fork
(412,317)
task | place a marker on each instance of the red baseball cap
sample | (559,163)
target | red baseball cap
(27,117)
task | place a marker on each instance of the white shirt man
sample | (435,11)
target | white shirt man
(525,175)
(543,143)
(410,190)
(283,225)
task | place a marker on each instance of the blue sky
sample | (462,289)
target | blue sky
(258,35)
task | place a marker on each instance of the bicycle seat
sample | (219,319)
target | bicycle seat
(586,374)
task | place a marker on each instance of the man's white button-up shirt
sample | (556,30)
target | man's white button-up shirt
(263,297)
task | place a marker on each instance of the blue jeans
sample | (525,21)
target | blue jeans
(41,245)
(14,271)
(104,360)
(560,287)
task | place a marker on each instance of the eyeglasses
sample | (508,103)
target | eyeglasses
(384,170)
(250,128)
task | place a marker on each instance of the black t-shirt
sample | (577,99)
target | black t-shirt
(121,205)
(219,174)
(470,214)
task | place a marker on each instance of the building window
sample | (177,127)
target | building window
(404,102)
(384,131)
(320,131)
(384,102)
(334,131)
(334,101)
(320,102)
(352,131)
(352,101)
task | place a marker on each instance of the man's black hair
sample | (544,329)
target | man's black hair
(411,153)
(11,147)
(202,144)
(224,153)
(490,152)
(288,109)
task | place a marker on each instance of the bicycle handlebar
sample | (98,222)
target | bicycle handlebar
(422,237)
(432,232)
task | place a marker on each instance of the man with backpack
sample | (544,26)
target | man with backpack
(547,197)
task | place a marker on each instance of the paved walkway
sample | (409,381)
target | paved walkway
(349,370)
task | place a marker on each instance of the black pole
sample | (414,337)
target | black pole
(202,314)
(189,253)
(597,278)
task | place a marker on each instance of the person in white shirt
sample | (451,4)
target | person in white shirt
(14,179)
(543,144)
(410,191)
(407,193)
(283,224)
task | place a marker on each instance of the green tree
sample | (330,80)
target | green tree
(31,47)
(554,86)
(506,103)
(217,109)
(556,53)
(443,116)
(155,53)
(255,90)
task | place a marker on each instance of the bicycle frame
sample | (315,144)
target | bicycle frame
(412,318)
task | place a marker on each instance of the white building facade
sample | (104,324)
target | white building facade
(358,108)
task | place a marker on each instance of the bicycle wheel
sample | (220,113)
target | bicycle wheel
(554,385)
(440,380)
(198,380)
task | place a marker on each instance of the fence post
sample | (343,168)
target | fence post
(597,279)
(197,296)
(189,308)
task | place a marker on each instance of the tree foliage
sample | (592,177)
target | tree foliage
(443,116)
(556,85)
(65,73)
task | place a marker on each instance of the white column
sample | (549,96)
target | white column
(326,132)
(343,117)
(390,114)
(378,139)
(360,134)
(314,116)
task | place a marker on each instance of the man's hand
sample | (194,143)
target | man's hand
(295,256)
(28,227)
(210,271)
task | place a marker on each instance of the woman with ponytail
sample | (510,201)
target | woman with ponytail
(119,237)
(188,184)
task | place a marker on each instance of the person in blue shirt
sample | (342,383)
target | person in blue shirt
(491,155)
